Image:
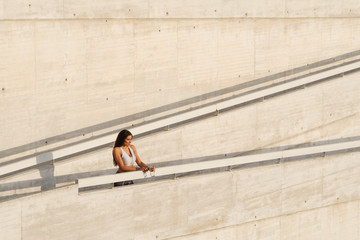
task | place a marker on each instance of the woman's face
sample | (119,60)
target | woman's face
(127,141)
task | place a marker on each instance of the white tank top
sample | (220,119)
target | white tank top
(128,161)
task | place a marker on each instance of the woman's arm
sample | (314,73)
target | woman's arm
(139,162)
(120,162)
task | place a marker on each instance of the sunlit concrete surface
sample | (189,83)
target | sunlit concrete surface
(62,74)
(71,70)
(315,198)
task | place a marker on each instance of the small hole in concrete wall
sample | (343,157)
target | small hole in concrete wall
(105,20)
(129,10)
(45,142)
(167,13)
(159,30)
(29,5)
(3,89)
(239,76)
(194,27)
(246,14)
(65,79)
(74,14)
(215,10)
(107,99)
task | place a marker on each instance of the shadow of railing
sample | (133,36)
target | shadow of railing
(46,173)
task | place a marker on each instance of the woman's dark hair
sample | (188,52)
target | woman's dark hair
(123,134)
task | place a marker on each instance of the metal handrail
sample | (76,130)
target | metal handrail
(226,162)
(176,119)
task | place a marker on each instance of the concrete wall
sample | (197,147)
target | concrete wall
(72,65)
(68,68)
(70,9)
(317,198)
(325,111)
(328,110)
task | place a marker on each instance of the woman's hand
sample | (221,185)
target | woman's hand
(151,169)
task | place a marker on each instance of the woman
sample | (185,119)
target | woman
(125,156)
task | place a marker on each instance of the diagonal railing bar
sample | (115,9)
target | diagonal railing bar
(226,162)
(212,109)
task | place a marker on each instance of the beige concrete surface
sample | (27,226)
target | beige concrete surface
(163,60)
(325,111)
(335,225)
(69,66)
(70,9)
(291,199)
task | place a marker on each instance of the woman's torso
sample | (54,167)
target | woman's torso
(128,159)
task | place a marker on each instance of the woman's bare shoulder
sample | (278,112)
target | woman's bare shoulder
(116,149)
